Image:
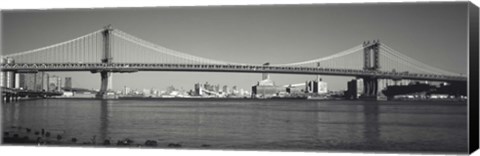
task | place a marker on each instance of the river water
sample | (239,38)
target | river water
(253,124)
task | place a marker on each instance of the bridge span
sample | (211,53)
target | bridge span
(109,50)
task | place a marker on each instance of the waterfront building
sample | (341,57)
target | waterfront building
(2,74)
(241,92)
(317,86)
(235,90)
(225,89)
(38,85)
(266,88)
(17,80)
(154,92)
(197,89)
(68,83)
(54,83)
(266,91)
(2,79)
(354,89)
(45,78)
(295,90)
(60,84)
(10,75)
(146,92)
(110,82)
(21,81)
(322,87)
(217,88)
(29,81)
(207,86)
(126,90)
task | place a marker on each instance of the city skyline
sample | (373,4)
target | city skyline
(41,81)
(253,34)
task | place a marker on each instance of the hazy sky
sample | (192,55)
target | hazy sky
(435,33)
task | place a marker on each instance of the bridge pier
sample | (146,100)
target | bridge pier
(371,86)
(9,98)
(365,88)
(105,77)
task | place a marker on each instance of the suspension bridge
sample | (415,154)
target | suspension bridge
(109,50)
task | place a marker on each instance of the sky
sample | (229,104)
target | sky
(434,33)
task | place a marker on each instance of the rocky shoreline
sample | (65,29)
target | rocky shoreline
(43,137)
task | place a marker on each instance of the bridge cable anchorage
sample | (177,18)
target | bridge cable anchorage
(413,61)
(338,55)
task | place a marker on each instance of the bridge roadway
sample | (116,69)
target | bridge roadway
(135,67)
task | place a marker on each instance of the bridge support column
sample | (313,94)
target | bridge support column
(370,88)
(107,59)
(104,77)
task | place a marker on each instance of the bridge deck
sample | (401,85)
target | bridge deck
(134,67)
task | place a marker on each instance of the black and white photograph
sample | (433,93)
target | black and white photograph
(356,77)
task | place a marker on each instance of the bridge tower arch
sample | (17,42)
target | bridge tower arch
(371,59)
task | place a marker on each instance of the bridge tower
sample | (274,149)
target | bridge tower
(371,63)
(371,55)
(106,77)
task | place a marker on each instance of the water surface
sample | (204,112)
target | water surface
(253,124)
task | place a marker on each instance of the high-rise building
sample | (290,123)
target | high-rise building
(38,81)
(198,89)
(2,75)
(16,80)
(217,88)
(68,83)
(10,75)
(110,81)
(207,86)
(126,90)
(225,89)
(45,79)
(322,87)
(60,84)
(355,89)
(21,81)
(235,90)
(316,86)
(54,83)
(2,79)
(30,78)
